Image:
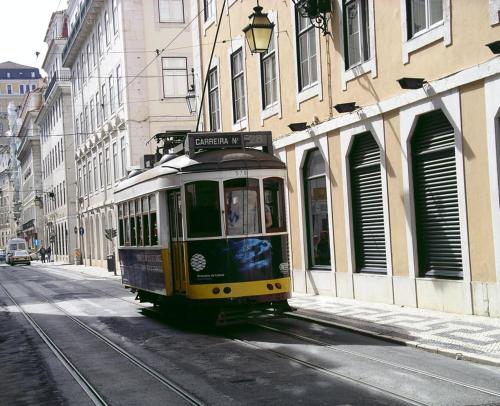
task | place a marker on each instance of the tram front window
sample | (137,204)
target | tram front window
(202,209)
(241,197)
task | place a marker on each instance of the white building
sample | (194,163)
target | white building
(57,147)
(28,154)
(130,62)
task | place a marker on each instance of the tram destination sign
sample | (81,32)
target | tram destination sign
(214,140)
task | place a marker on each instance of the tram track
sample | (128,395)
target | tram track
(331,372)
(79,377)
(87,387)
(301,360)
(374,359)
(86,286)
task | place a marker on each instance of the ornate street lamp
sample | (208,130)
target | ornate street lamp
(259,31)
(318,12)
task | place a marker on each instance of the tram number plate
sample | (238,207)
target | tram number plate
(241,173)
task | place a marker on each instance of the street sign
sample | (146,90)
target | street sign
(81,231)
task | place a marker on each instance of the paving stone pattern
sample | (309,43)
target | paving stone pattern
(463,334)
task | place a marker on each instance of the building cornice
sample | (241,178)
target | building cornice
(433,88)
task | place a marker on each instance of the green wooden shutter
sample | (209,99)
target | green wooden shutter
(436,197)
(367,205)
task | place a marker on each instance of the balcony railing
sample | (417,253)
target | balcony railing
(59,76)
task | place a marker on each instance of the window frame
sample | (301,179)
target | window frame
(209,18)
(164,75)
(183,20)
(264,58)
(214,90)
(111,94)
(317,89)
(237,77)
(299,33)
(123,158)
(119,85)
(438,31)
(107,27)
(114,14)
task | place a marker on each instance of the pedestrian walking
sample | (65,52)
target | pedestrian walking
(42,254)
(48,253)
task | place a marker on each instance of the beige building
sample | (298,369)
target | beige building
(396,201)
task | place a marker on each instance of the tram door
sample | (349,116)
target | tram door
(178,245)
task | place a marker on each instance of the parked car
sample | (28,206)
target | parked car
(3,254)
(19,257)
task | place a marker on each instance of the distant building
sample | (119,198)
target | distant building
(31,221)
(15,81)
(124,92)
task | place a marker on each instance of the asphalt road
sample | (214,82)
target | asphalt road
(96,345)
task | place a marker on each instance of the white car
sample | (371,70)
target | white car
(19,257)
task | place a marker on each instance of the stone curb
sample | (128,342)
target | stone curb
(465,356)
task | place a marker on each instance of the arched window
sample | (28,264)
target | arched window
(435,192)
(318,238)
(367,205)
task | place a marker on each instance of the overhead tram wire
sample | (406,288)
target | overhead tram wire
(160,52)
(209,63)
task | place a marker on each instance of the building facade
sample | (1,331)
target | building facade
(129,63)
(396,201)
(15,81)
(57,147)
(31,218)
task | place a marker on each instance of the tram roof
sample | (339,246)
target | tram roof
(226,159)
(207,161)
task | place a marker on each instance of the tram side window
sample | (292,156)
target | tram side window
(138,222)
(152,217)
(203,209)
(145,220)
(242,201)
(131,207)
(120,225)
(274,205)
(126,224)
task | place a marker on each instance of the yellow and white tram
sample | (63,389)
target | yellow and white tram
(206,230)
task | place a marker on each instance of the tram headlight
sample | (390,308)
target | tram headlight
(227,290)
(270,286)
(215,291)
(278,285)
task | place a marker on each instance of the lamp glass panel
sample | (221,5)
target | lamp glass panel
(262,38)
(250,39)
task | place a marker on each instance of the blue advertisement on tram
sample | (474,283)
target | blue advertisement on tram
(238,259)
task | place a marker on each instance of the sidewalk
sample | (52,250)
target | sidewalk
(83,269)
(473,338)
